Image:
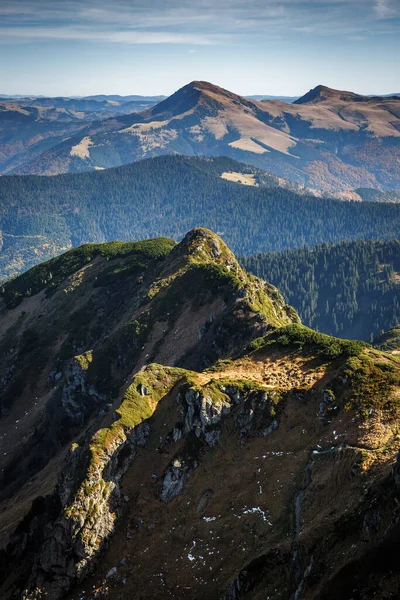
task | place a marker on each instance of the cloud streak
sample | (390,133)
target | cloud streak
(203,23)
(124,37)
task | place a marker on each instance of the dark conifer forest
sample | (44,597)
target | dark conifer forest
(350,290)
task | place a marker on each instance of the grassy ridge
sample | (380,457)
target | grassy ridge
(51,273)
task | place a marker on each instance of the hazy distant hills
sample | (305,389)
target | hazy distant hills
(30,126)
(96,97)
(85,108)
(124,99)
(330,140)
(266,97)
(27,131)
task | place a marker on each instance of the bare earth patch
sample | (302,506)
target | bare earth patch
(81,150)
(244,178)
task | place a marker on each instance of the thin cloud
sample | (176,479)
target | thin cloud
(385,9)
(183,22)
(126,37)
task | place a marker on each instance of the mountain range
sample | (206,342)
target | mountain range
(170,429)
(97,97)
(329,140)
(84,108)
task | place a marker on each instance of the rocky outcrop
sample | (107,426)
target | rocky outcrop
(203,415)
(78,396)
(177,473)
(73,542)
(258,413)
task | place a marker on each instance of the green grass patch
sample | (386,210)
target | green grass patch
(298,336)
(138,404)
(372,384)
(265,303)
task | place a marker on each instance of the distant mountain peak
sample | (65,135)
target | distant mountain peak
(205,86)
(322,93)
(194,93)
(202,85)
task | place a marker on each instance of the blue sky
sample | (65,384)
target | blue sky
(281,47)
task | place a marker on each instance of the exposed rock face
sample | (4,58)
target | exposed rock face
(87,518)
(77,395)
(175,478)
(201,414)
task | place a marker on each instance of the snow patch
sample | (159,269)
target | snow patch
(257,510)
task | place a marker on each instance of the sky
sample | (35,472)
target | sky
(154,47)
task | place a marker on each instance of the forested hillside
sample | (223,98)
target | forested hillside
(373,195)
(351,289)
(167,196)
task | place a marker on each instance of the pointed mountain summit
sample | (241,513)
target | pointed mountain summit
(197,95)
(322,93)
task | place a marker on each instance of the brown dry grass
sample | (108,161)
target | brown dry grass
(275,369)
